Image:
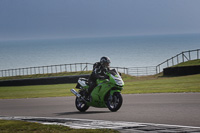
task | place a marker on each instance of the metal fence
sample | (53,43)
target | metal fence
(76,67)
(47,69)
(179,58)
(142,71)
(121,69)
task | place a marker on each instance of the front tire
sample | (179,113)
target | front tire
(114,102)
(81,105)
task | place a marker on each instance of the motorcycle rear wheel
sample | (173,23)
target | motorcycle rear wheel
(81,105)
(115,102)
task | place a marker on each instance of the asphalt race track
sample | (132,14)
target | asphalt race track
(166,108)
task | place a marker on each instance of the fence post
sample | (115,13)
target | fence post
(60,68)
(31,70)
(183,56)
(15,72)
(127,70)
(197,53)
(65,68)
(35,70)
(81,67)
(56,68)
(22,71)
(51,69)
(71,67)
(189,56)
(19,71)
(38,70)
(43,69)
(177,60)
(12,71)
(28,72)
(8,73)
(47,69)
(167,63)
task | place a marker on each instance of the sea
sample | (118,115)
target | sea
(124,51)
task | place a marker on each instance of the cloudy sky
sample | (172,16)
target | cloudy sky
(36,19)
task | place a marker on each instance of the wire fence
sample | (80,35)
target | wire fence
(76,67)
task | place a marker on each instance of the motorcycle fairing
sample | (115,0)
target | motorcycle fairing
(98,95)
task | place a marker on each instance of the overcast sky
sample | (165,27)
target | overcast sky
(33,19)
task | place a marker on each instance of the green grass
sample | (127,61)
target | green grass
(133,85)
(181,84)
(46,75)
(189,63)
(36,91)
(7,126)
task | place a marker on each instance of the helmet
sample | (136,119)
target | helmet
(105,61)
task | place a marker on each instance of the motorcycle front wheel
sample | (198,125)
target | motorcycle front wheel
(114,102)
(81,105)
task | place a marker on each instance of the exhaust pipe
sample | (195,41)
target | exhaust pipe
(78,95)
(75,93)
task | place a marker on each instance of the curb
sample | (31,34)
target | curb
(121,126)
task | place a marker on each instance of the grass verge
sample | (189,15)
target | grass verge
(46,75)
(180,84)
(133,85)
(188,63)
(7,126)
(36,91)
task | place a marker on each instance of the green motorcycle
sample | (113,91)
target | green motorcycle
(105,94)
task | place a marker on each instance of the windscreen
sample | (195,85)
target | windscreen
(113,72)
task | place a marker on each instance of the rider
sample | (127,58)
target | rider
(99,72)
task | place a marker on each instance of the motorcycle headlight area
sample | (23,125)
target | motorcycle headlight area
(118,80)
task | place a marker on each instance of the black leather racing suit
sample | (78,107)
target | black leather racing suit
(99,72)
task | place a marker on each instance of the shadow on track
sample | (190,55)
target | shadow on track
(77,112)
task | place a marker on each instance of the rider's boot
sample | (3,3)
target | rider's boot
(87,95)
(89,91)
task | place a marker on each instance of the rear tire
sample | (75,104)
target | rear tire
(81,105)
(115,102)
